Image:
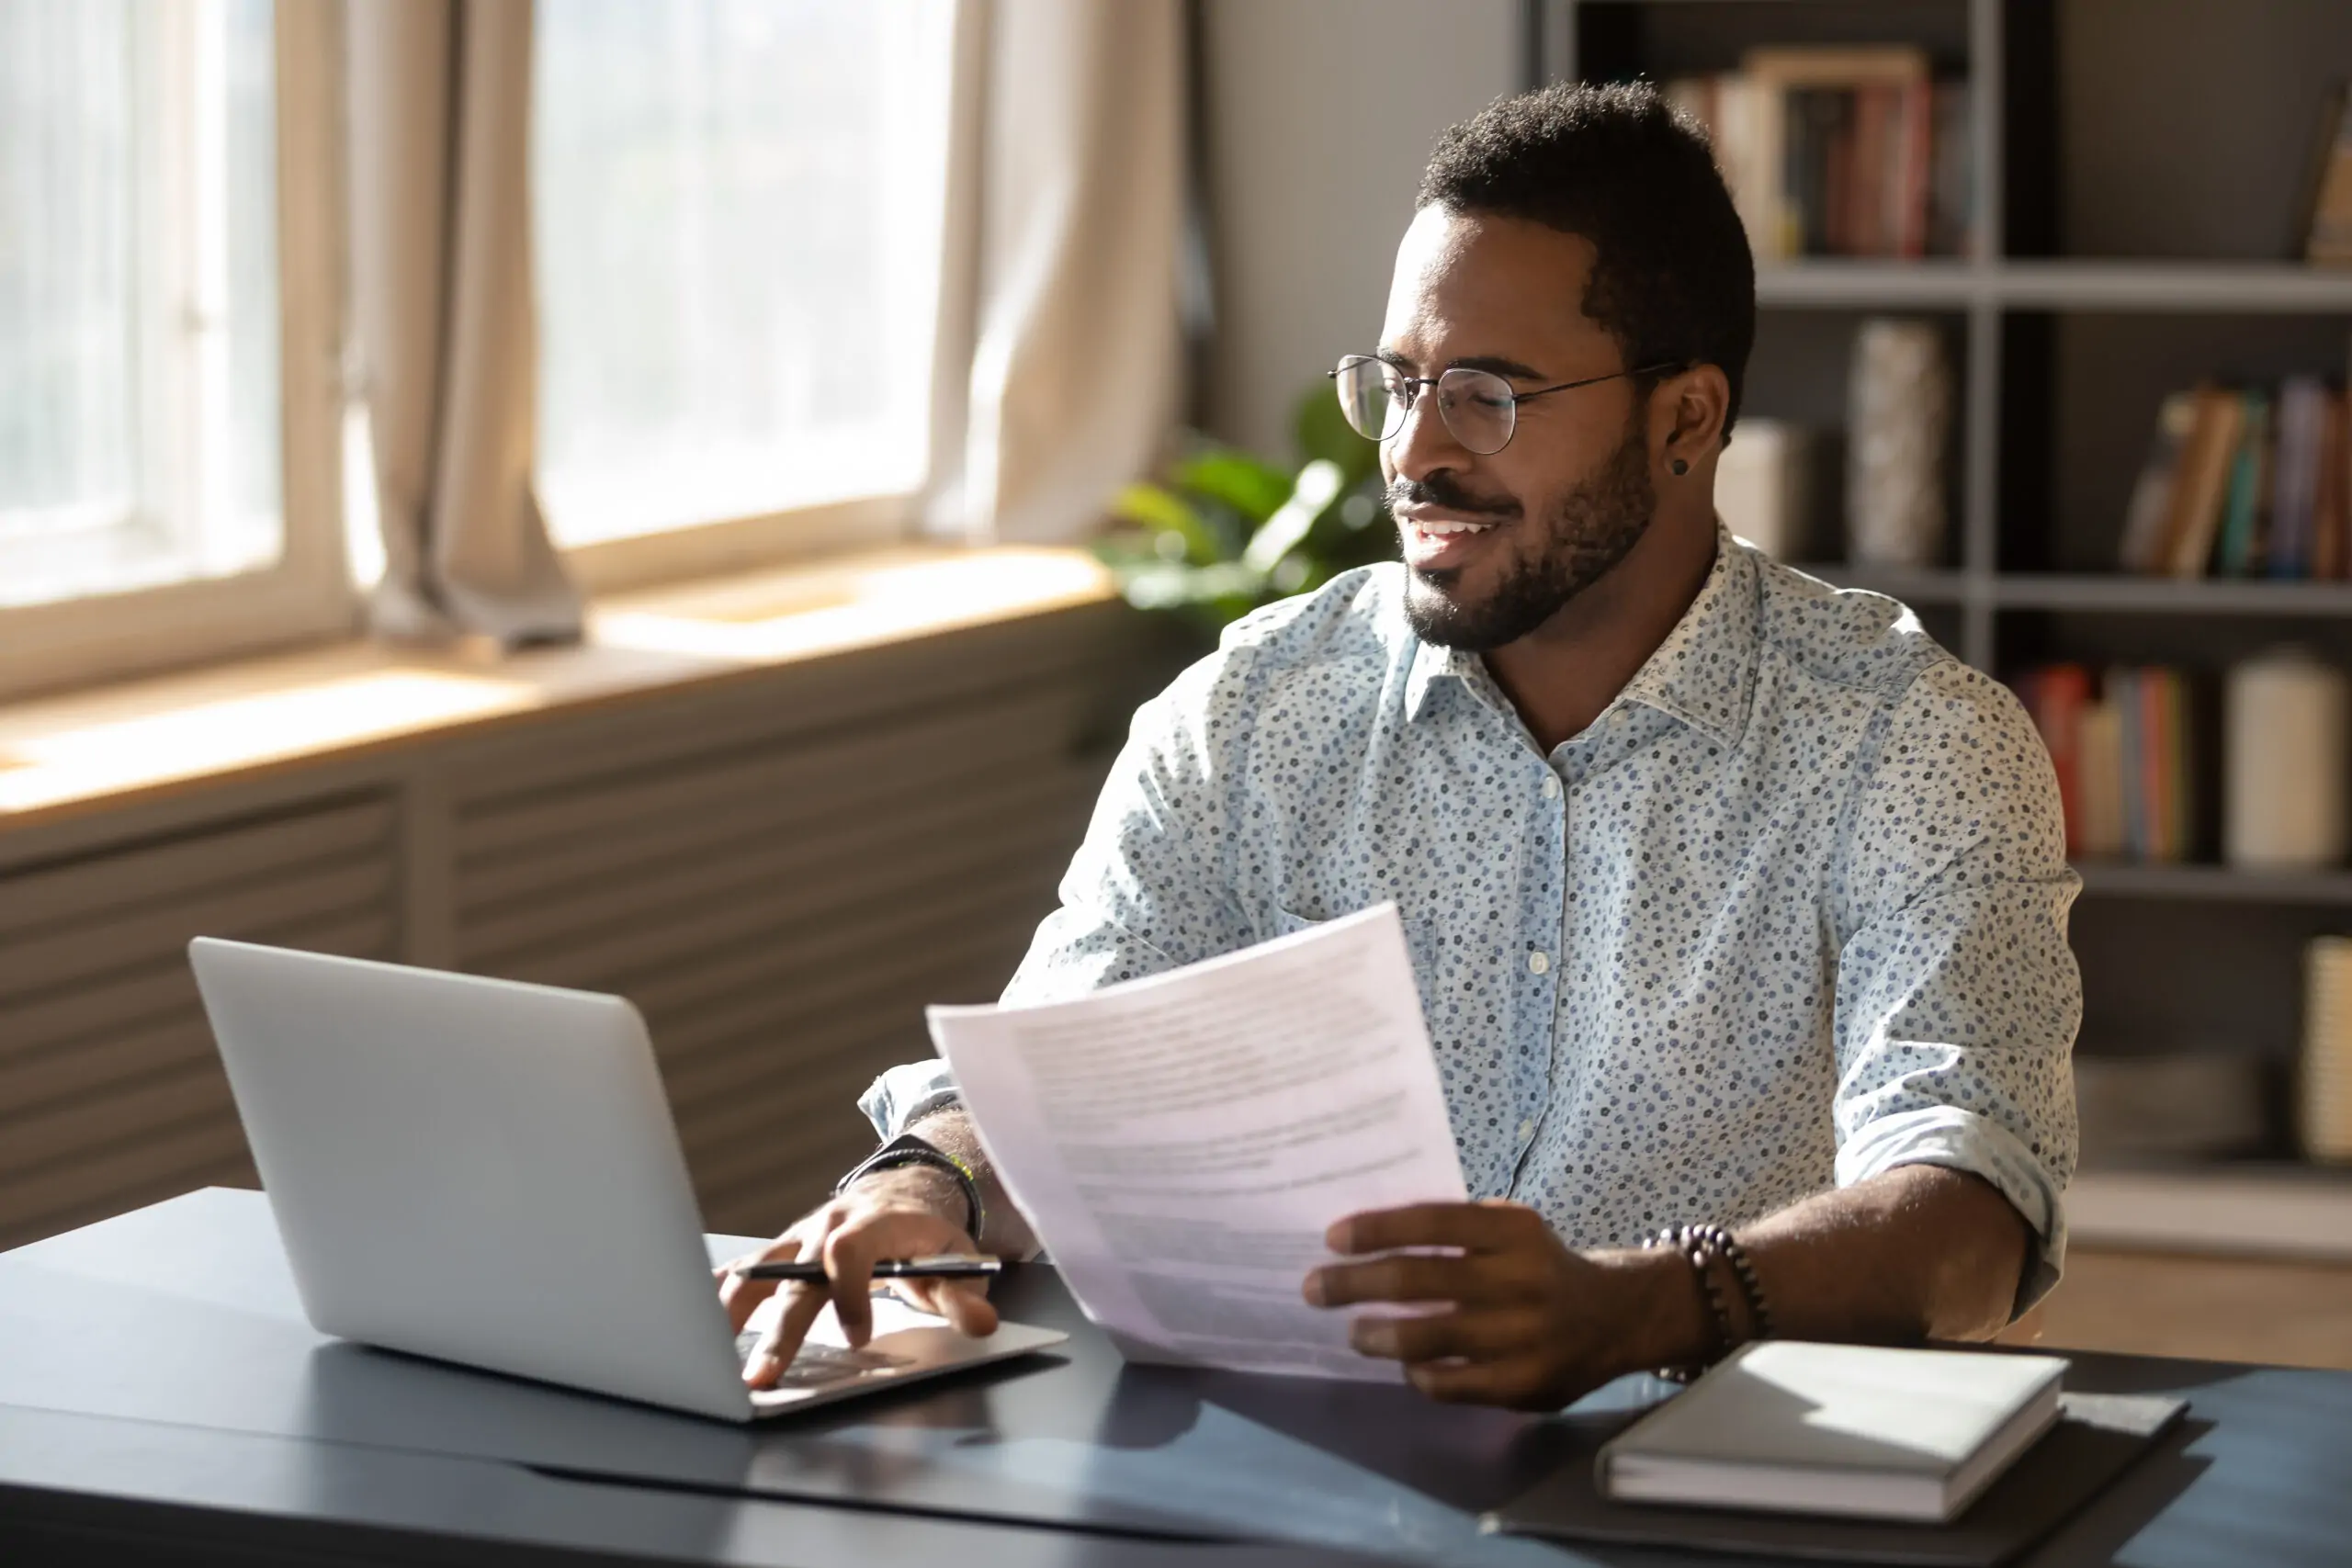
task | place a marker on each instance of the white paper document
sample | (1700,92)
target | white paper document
(1181,1143)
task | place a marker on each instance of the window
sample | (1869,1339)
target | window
(738,210)
(144,479)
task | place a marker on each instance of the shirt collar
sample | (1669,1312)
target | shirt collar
(1703,674)
(1432,665)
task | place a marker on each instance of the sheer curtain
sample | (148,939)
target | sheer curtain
(1053,358)
(443,318)
(1062,360)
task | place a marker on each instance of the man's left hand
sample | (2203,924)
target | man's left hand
(1523,1320)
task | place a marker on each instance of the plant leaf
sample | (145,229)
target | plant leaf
(1155,506)
(1320,483)
(1254,489)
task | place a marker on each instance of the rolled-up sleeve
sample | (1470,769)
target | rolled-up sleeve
(1958,998)
(1148,890)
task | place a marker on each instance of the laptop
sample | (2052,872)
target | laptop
(486,1172)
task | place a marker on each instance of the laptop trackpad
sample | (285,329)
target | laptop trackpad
(906,1344)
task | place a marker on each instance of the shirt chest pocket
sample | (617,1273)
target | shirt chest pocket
(1288,923)
(1420,934)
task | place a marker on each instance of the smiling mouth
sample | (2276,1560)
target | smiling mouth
(1443,544)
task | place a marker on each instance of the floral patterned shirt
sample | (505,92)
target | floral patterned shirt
(1791,913)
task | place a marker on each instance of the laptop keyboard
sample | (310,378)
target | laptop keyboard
(818,1366)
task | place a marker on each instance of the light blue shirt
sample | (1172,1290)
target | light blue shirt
(1791,913)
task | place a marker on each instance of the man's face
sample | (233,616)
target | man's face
(1496,545)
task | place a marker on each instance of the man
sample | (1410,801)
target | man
(1732,899)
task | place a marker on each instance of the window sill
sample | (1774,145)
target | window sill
(123,744)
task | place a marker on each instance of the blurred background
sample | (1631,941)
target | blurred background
(679,497)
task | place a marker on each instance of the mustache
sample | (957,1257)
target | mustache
(1442,491)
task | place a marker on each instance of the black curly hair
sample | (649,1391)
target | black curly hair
(1674,282)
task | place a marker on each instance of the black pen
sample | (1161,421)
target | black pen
(948,1265)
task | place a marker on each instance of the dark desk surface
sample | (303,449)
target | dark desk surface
(158,1367)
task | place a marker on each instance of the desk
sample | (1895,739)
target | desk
(157,1383)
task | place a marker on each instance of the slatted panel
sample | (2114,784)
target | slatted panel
(111,1094)
(781,905)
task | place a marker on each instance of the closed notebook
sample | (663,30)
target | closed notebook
(1853,1430)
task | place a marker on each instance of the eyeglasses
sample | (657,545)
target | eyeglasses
(1477,406)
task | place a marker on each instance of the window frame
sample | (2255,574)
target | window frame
(743,544)
(307,593)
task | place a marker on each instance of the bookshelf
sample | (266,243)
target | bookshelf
(2136,166)
(2214,883)
(2187,288)
(2093,592)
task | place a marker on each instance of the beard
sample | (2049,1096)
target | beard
(1577,545)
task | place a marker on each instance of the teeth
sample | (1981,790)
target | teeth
(1440,529)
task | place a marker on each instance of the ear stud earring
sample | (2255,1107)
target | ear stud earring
(1679,468)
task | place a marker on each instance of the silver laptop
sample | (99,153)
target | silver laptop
(486,1172)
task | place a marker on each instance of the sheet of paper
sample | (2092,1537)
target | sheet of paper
(1181,1143)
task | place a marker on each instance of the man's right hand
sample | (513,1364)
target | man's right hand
(890,1215)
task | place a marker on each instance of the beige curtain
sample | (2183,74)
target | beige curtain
(1060,352)
(441,298)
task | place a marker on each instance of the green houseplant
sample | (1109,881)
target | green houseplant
(1227,531)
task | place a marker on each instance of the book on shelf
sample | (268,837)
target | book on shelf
(2244,482)
(1850,150)
(2327,202)
(2055,697)
(2151,504)
(2119,746)
(2201,484)
(2332,509)
(2242,502)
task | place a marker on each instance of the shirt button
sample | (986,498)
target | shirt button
(1538,962)
(1527,1130)
(1551,786)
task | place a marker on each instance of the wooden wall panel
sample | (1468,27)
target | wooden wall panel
(111,1094)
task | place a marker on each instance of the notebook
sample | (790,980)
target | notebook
(1858,1431)
(2099,1438)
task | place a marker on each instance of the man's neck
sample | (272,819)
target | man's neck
(1562,675)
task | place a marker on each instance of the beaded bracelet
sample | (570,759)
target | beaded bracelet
(1701,1246)
(1696,1252)
(1759,1316)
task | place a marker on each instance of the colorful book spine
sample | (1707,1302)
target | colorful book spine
(2121,757)
(2332,503)
(2098,745)
(2234,552)
(2172,756)
(1850,151)
(2054,697)
(2244,483)
(2302,407)
(2203,482)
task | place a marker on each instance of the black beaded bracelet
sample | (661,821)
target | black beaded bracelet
(1701,1246)
(1696,1252)
(1759,1316)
